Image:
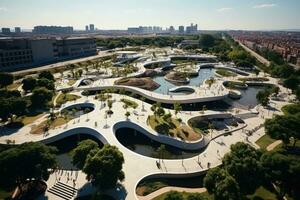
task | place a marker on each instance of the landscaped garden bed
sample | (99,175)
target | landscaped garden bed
(226,73)
(258,79)
(172,127)
(65,97)
(143,83)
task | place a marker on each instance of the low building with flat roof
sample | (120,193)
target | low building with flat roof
(28,52)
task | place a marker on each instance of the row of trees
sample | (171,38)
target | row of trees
(28,161)
(45,79)
(111,43)
(245,169)
(285,127)
(14,104)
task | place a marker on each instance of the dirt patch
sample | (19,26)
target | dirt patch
(143,83)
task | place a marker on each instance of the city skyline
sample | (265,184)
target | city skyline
(117,14)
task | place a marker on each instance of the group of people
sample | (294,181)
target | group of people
(71,175)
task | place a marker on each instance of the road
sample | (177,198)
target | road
(63,63)
(256,55)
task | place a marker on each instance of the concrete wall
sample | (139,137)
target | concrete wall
(162,138)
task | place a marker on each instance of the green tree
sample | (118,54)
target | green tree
(81,152)
(241,162)
(46,75)
(40,97)
(127,114)
(224,187)
(29,84)
(196,196)
(291,82)
(173,195)
(263,97)
(276,168)
(28,161)
(206,41)
(43,82)
(104,168)
(6,79)
(227,189)
(177,108)
(283,127)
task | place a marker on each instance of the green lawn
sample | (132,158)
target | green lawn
(173,128)
(5,194)
(64,98)
(226,73)
(14,86)
(130,103)
(185,195)
(265,141)
(262,193)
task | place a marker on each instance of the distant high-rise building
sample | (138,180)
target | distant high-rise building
(17,30)
(192,29)
(172,29)
(181,29)
(53,30)
(86,28)
(5,30)
(92,27)
(144,29)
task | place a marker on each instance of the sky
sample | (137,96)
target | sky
(120,14)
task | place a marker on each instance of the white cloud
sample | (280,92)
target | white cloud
(3,9)
(224,9)
(265,5)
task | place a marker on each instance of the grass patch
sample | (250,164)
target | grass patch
(14,86)
(148,186)
(259,79)
(4,194)
(130,103)
(173,128)
(185,195)
(291,109)
(50,124)
(103,97)
(265,141)
(71,82)
(226,73)
(210,81)
(262,193)
(64,98)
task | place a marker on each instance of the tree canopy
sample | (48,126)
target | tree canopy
(46,75)
(40,97)
(221,184)
(241,162)
(206,41)
(6,79)
(104,167)
(26,161)
(81,152)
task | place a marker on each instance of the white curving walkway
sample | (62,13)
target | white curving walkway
(136,166)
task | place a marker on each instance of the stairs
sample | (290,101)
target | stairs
(63,191)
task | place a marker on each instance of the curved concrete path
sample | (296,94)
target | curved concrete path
(136,166)
(273,145)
